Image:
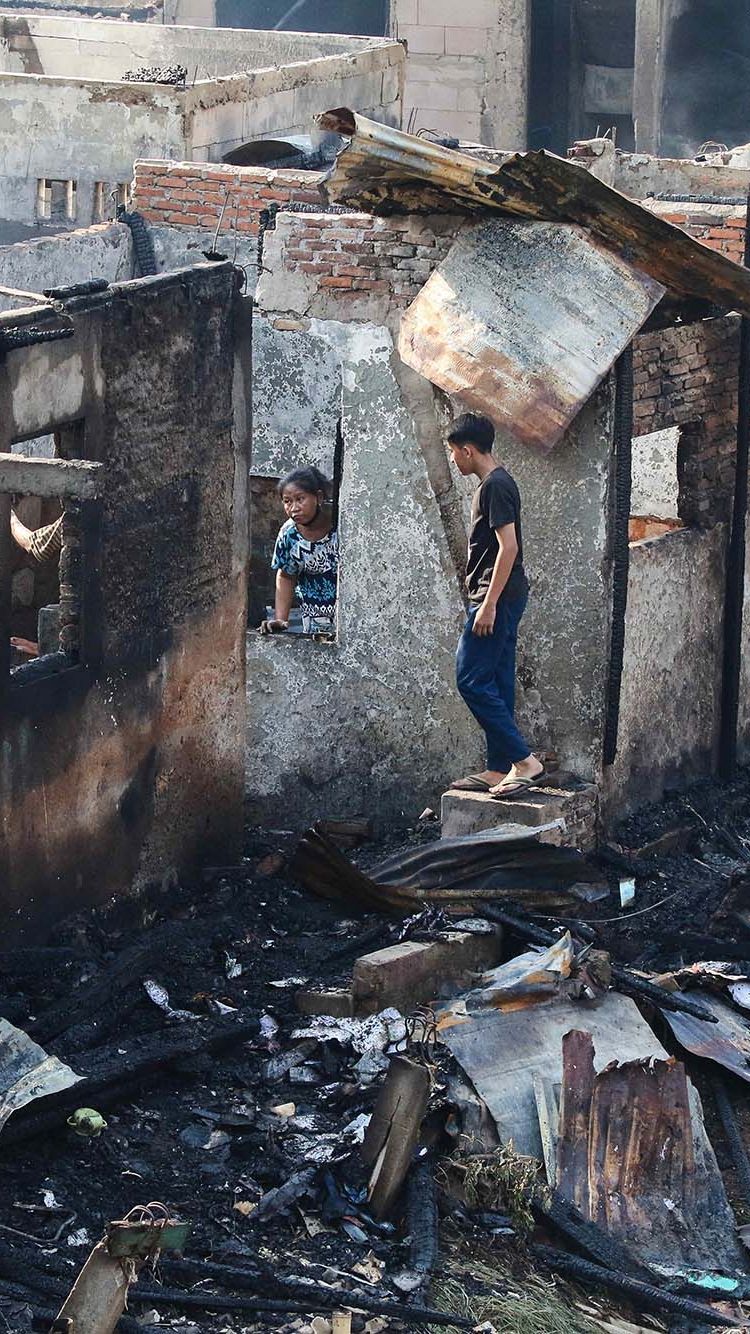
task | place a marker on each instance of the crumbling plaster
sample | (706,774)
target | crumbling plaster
(671,681)
(129,766)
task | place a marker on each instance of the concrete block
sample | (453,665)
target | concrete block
(577,809)
(338,1002)
(465,41)
(415,971)
(474,13)
(404,11)
(423,40)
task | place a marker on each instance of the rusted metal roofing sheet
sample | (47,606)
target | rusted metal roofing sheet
(522,320)
(384,171)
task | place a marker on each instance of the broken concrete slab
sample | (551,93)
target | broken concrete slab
(416,971)
(336,1001)
(564,816)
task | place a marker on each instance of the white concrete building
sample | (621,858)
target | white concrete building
(73,126)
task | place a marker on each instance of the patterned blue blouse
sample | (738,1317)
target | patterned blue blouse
(315,567)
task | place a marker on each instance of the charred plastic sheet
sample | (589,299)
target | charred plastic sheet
(525,319)
(495,864)
(27,1072)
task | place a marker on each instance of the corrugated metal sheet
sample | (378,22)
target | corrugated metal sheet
(522,320)
(385,171)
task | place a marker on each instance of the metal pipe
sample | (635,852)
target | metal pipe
(734,591)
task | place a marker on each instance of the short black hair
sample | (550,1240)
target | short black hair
(308,479)
(472,429)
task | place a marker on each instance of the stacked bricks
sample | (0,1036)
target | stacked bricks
(719,226)
(687,376)
(187,194)
(355,254)
(346,252)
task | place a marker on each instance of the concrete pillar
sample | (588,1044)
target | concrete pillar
(505,117)
(653,24)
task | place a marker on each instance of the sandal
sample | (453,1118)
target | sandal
(471,784)
(515,787)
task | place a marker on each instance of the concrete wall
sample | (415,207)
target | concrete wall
(68,116)
(562,670)
(277,101)
(77,129)
(467,71)
(372,723)
(100,49)
(655,489)
(131,763)
(59,261)
(669,705)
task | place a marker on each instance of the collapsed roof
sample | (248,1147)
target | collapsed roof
(528,311)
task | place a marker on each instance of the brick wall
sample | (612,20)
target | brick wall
(352,257)
(720,226)
(687,376)
(188,194)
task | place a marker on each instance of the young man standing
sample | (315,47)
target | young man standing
(498,591)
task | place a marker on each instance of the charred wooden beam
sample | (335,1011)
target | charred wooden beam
(108,1072)
(644,1295)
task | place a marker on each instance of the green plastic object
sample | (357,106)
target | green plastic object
(87,1122)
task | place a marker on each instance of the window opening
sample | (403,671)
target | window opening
(655,495)
(313,614)
(56,200)
(46,575)
(98,205)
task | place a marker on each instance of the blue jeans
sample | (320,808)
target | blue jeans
(486,678)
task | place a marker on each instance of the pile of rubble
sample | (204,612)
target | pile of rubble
(334,1092)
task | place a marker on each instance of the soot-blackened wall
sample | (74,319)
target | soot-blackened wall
(131,764)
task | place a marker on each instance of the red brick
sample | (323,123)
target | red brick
(336,282)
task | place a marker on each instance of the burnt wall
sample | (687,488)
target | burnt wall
(129,765)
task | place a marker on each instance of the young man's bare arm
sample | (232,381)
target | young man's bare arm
(507,543)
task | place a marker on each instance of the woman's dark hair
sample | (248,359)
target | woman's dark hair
(471,429)
(309,479)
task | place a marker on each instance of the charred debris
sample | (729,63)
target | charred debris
(476,1083)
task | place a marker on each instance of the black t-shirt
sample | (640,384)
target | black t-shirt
(496,502)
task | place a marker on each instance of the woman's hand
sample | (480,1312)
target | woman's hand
(273,627)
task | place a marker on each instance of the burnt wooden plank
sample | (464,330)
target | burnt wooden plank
(575,1107)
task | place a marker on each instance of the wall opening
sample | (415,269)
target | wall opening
(56,201)
(313,566)
(47,566)
(655,494)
